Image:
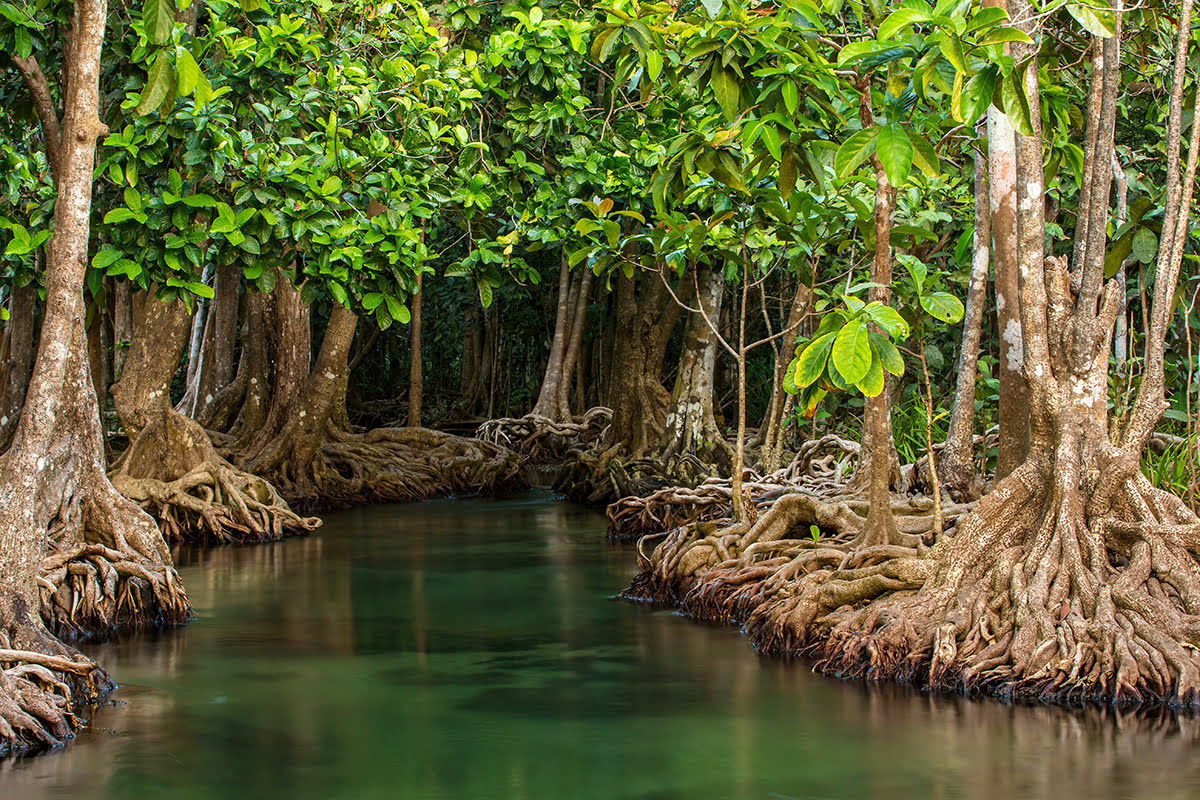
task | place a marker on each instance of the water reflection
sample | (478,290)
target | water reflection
(471,650)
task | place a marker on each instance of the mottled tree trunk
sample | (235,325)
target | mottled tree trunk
(582,298)
(639,401)
(956,467)
(547,404)
(55,489)
(18,352)
(415,378)
(216,368)
(691,426)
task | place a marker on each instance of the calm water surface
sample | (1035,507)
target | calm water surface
(470,649)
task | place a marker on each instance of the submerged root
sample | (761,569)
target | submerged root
(1027,598)
(215,503)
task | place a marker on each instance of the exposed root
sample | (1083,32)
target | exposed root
(45,686)
(1029,597)
(397,465)
(92,588)
(215,503)
(541,440)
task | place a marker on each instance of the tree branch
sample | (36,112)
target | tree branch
(43,103)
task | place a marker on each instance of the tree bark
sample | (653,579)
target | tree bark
(58,511)
(547,404)
(774,425)
(1014,392)
(691,426)
(415,378)
(956,467)
(216,367)
(18,362)
(583,296)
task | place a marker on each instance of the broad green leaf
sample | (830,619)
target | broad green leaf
(1096,16)
(901,19)
(187,72)
(985,18)
(977,93)
(889,355)
(654,64)
(791,97)
(952,48)
(118,215)
(925,158)
(871,383)
(1001,35)
(106,257)
(397,310)
(727,89)
(852,351)
(888,319)
(895,152)
(942,306)
(158,17)
(811,363)
(770,137)
(1016,104)
(158,84)
(1145,245)
(854,151)
(713,7)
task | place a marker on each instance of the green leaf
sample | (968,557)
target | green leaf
(187,72)
(888,319)
(1096,16)
(1145,245)
(397,310)
(810,365)
(889,355)
(727,89)
(331,186)
(852,351)
(854,151)
(901,19)
(925,158)
(942,306)
(654,64)
(895,152)
(871,383)
(791,97)
(118,215)
(977,94)
(339,293)
(1001,35)
(158,84)
(1016,104)
(713,7)
(106,257)
(158,17)
(952,48)
(770,137)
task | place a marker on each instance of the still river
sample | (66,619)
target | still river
(472,650)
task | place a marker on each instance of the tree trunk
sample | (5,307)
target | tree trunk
(101,559)
(18,346)
(583,296)
(215,369)
(122,325)
(956,467)
(691,426)
(240,409)
(774,425)
(415,379)
(171,468)
(639,401)
(547,405)
(879,460)
(1014,392)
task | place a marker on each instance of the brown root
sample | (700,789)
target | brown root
(45,686)
(541,440)
(389,465)
(1028,597)
(215,503)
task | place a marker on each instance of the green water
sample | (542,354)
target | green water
(470,649)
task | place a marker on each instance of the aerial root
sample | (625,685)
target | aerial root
(215,503)
(89,588)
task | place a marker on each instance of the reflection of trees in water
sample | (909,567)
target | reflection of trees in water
(976,749)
